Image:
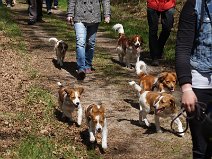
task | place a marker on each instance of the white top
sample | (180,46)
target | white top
(201,80)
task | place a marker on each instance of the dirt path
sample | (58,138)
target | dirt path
(126,139)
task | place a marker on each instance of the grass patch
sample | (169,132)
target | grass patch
(11,29)
(38,95)
(36,148)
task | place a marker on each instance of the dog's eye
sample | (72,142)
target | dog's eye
(167,81)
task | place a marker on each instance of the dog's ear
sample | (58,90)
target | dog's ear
(162,76)
(102,109)
(67,91)
(81,90)
(174,74)
(172,101)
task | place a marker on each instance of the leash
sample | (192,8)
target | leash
(199,114)
(182,110)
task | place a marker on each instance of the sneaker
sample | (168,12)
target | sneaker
(49,12)
(31,22)
(81,75)
(88,71)
(9,6)
(55,7)
(155,62)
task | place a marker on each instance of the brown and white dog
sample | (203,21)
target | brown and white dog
(60,47)
(96,120)
(163,82)
(162,104)
(69,100)
(129,49)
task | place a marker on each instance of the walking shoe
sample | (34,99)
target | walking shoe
(81,75)
(55,7)
(155,62)
(49,12)
(31,22)
(88,71)
(9,6)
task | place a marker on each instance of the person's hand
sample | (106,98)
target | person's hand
(70,20)
(107,19)
(188,98)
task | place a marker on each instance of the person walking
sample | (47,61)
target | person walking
(194,68)
(86,16)
(49,6)
(156,10)
(55,3)
(35,11)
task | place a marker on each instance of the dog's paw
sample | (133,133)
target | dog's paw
(181,134)
(131,83)
(159,131)
(92,139)
(104,145)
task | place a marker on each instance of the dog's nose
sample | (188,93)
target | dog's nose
(99,130)
(77,103)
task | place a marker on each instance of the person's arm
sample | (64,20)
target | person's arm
(106,10)
(184,45)
(70,10)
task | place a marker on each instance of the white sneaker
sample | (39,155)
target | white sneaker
(9,6)
(49,12)
(55,7)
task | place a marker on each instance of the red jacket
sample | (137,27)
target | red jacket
(161,5)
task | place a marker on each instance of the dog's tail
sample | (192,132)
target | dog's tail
(53,39)
(119,28)
(140,67)
(136,86)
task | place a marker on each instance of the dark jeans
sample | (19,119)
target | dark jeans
(156,44)
(35,9)
(202,148)
(49,4)
(55,2)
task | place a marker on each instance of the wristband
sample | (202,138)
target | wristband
(186,90)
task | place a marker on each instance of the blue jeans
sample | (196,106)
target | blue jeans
(156,44)
(85,44)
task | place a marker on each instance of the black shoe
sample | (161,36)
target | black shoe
(31,22)
(155,62)
(81,75)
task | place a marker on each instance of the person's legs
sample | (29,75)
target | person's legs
(167,20)
(49,6)
(39,10)
(32,12)
(81,32)
(9,3)
(90,44)
(55,3)
(201,148)
(153,17)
